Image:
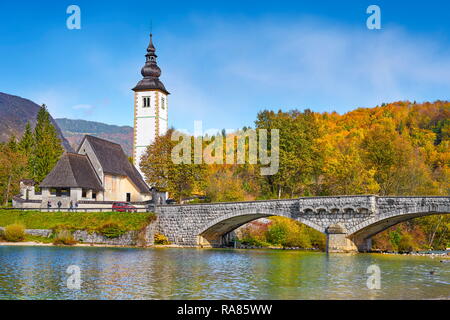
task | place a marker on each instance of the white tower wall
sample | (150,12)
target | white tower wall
(149,121)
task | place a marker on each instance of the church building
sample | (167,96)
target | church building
(99,173)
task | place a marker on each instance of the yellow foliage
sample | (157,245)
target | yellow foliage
(161,239)
(14,232)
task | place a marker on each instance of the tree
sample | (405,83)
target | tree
(12,168)
(223,185)
(47,148)
(27,142)
(299,161)
(399,167)
(182,179)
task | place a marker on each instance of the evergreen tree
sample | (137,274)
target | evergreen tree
(27,141)
(47,147)
(12,143)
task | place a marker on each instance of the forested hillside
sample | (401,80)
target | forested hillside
(16,112)
(400,148)
(74,130)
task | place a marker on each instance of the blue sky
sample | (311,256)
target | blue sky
(224,61)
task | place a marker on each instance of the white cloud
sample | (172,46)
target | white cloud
(308,63)
(226,71)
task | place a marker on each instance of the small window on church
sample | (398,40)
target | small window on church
(163,103)
(146,102)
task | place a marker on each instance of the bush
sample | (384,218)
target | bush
(288,233)
(277,233)
(161,239)
(64,237)
(407,243)
(112,230)
(394,238)
(14,232)
(253,242)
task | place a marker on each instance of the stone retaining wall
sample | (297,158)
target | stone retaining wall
(144,237)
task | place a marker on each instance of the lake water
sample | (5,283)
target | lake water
(169,273)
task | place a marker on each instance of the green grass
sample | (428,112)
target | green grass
(90,221)
(31,238)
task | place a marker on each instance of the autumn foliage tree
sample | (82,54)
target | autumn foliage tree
(160,171)
(13,166)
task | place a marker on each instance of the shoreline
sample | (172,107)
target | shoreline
(445,255)
(41,244)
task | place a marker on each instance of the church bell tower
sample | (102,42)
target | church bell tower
(150,106)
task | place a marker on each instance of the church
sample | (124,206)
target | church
(99,173)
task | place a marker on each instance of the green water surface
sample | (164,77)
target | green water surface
(129,273)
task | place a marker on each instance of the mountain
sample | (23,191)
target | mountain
(15,112)
(74,130)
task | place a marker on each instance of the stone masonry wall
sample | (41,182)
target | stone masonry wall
(130,238)
(182,224)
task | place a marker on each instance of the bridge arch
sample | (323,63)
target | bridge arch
(213,232)
(363,232)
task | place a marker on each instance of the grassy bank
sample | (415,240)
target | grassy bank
(90,221)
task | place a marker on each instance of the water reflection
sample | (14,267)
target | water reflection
(124,273)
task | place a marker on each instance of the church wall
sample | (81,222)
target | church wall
(87,150)
(117,187)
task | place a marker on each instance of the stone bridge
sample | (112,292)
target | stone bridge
(348,221)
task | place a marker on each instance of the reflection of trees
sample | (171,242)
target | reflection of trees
(289,274)
(121,273)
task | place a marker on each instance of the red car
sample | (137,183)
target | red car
(123,207)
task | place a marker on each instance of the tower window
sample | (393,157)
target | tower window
(146,102)
(162,103)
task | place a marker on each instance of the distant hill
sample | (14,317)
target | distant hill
(15,112)
(74,130)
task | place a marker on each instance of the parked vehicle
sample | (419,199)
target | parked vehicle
(123,207)
(171,201)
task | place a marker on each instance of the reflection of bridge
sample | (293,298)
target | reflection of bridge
(348,221)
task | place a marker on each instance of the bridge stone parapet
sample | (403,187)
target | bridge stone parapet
(188,224)
(348,221)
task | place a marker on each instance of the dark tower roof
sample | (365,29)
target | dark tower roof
(150,72)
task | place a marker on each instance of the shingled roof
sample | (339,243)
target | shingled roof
(114,161)
(73,171)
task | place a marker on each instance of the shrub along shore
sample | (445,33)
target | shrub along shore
(108,224)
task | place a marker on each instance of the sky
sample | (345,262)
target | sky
(224,61)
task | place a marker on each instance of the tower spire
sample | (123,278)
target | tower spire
(150,71)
